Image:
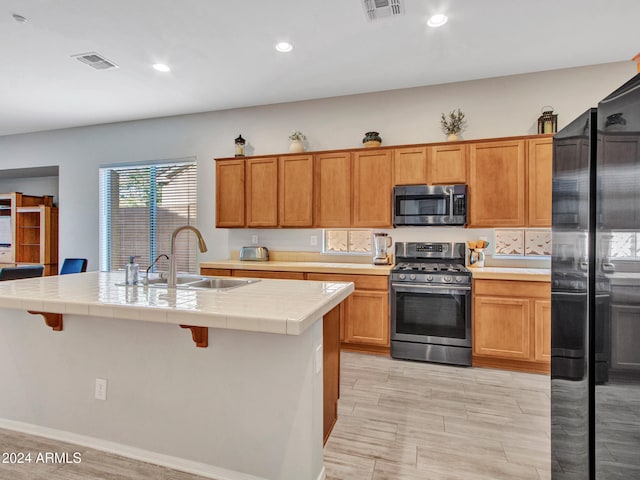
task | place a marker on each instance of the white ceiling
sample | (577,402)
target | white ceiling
(222,55)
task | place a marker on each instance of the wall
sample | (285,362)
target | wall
(496,107)
(31,186)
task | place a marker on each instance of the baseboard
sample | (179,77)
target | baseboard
(175,463)
(509,364)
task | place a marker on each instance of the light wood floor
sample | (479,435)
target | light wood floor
(397,421)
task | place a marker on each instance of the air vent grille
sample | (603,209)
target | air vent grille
(376,9)
(95,60)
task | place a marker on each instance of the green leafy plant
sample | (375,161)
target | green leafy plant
(453,123)
(296,135)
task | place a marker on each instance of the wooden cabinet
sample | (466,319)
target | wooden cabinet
(332,184)
(261,193)
(366,311)
(230,196)
(512,324)
(295,189)
(539,173)
(216,272)
(497,184)
(372,188)
(447,165)
(410,166)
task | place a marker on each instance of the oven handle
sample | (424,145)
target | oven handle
(433,288)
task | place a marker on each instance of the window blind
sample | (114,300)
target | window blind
(141,206)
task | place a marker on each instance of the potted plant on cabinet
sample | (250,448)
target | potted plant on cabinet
(296,137)
(453,123)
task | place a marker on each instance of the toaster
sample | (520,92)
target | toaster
(256,254)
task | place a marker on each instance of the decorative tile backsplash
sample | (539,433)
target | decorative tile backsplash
(523,242)
(347,241)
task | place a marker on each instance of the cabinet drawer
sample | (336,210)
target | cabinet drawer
(269,274)
(512,288)
(215,272)
(361,282)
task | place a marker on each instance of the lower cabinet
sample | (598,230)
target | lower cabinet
(512,325)
(366,312)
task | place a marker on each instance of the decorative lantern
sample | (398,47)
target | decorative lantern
(240,146)
(548,121)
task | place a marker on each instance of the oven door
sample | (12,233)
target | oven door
(431,314)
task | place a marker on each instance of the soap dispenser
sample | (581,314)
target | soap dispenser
(131,271)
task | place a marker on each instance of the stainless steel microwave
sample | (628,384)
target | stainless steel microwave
(424,205)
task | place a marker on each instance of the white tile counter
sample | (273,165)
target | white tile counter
(506,273)
(269,306)
(300,266)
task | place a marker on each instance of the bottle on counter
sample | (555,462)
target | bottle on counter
(132,271)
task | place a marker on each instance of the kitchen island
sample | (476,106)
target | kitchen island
(248,406)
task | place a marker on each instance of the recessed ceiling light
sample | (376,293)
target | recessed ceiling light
(19,18)
(284,47)
(437,20)
(161,67)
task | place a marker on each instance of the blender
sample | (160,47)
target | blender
(381,243)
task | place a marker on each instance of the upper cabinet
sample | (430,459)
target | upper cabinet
(497,184)
(230,180)
(332,183)
(372,188)
(447,165)
(539,167)
(295,189)
(261,194)
(509,184)
(410,166)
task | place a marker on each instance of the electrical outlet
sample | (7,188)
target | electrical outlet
(314,240)
(101,389)
(254,239)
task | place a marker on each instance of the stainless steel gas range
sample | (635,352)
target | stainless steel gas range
(430,298)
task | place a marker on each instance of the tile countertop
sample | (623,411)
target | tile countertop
(315,267)
(506,273)
(286,307)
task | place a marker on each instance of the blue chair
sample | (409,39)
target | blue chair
(73,265)
(15,273)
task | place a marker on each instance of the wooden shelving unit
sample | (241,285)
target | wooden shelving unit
(34,231)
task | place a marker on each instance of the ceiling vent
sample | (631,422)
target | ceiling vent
(95,60)
(376,9)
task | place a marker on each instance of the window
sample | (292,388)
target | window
(140,207)
(347,241)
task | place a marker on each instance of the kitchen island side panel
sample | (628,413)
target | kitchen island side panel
(250,402)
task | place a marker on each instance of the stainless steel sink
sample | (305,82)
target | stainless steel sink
(197,282)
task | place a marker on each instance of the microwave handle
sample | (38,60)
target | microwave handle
(451,206)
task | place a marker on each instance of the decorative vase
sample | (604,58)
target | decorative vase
(452,137)
(296,146)
(372,139)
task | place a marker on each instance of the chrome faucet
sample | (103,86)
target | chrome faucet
(171,280)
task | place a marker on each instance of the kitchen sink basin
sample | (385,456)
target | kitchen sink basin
(197,282)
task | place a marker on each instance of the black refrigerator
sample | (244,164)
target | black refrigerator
(595,292)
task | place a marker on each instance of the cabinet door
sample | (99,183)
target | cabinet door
(367,318)
(410,166)
(539,169)
(332,185)
(262,192)
(372,189)
(501,327)
(542,327)
(296,191)
(625,333)
(619,176)
(447,165)
(497,184)
(230,193)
